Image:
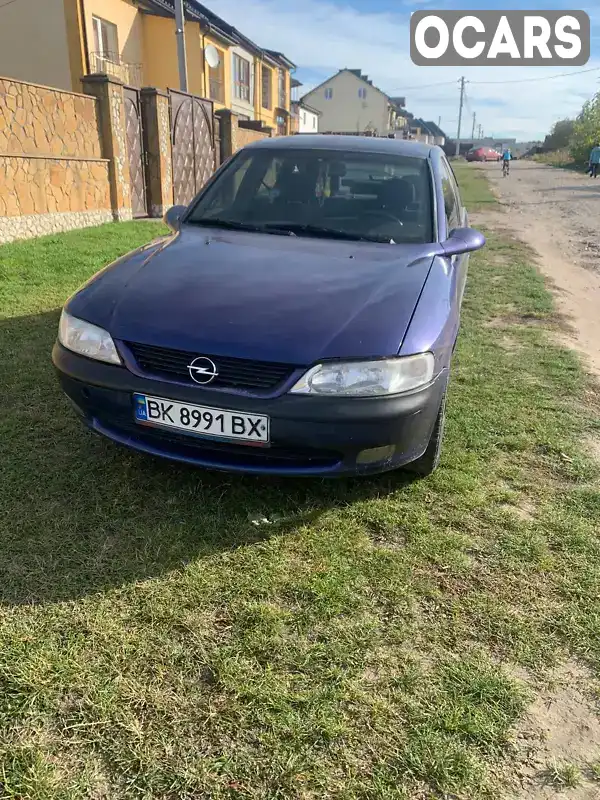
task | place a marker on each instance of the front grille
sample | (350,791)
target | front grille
(224,454)
(234,373)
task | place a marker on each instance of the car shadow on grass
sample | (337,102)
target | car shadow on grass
(80,515)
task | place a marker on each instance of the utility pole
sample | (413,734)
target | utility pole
(439,122)
(480,132)
(473,129)
(460,108)
(180,34)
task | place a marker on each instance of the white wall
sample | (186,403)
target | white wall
(308,121)
(346,111)
(237,105)
(33,43)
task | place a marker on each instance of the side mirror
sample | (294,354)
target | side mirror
(462,240)
(173,217)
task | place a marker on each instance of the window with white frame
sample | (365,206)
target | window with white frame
(241,78)
(328,94)
(106,40)
(362,93)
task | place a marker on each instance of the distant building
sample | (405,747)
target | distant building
(305,119)
(308,119)
(348,102)
(428,132)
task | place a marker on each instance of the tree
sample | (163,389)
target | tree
(560,135)
(586,131)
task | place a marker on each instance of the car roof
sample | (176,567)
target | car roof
(358,144)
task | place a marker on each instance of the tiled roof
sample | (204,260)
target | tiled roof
(200,13)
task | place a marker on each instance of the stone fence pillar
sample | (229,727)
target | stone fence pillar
(109,92)
(157,144)
(229,130)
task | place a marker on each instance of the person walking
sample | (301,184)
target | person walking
(595,161)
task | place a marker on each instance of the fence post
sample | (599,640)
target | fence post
(157,144)
(111,106)
(229,129)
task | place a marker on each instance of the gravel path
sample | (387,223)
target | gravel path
(557,212)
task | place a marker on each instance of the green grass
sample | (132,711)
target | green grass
(565,775)
(558,158)
(474,185)
(155,642)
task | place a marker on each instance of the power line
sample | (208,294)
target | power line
(10,2)
(543,78)
(413,88)
(487,83)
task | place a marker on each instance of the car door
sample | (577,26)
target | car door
(456,217)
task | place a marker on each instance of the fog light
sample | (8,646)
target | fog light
(376,454)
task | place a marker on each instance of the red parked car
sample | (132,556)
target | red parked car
(483,154)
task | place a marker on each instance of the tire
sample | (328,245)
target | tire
(430,459)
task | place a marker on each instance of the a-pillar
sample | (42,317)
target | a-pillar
(157,143)
(109,92)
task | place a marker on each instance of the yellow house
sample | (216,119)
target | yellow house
(134,40)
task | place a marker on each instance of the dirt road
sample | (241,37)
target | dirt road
(557,213)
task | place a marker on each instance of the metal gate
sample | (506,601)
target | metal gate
(192,136)
(135,152)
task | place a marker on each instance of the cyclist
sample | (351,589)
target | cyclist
(506,159)
(594,161)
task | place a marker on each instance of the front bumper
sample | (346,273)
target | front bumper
(309,435)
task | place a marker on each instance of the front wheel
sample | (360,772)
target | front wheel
(430,459)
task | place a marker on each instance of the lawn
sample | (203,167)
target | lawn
(172,633)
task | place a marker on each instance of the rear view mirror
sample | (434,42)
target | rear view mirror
(173,217)
(463,240)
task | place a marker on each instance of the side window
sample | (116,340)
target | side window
(451,197)
(459,203)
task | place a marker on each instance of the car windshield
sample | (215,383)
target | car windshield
(327,193)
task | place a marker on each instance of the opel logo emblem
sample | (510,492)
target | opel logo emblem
(202,370)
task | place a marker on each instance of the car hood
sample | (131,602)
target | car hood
(290,299)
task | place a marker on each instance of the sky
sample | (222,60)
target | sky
(322,36)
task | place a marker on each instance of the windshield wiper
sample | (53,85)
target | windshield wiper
(327,233)
(234,225)
(288,229)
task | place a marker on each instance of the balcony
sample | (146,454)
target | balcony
(112,64)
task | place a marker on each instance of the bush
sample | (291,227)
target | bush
(586,131)
(560,136)
(556,158)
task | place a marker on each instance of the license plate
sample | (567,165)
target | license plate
(217,423)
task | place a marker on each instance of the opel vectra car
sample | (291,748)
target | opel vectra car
(299,319)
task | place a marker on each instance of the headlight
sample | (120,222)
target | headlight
(367,378)
(86,339)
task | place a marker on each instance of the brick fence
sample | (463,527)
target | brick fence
(64,157)
(53,175)
(235,133)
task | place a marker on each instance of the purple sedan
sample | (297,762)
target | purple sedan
(300,319)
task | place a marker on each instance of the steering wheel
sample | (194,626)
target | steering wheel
(385,215)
